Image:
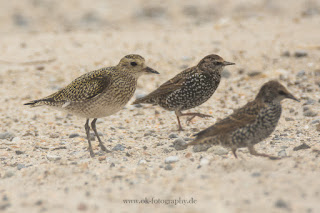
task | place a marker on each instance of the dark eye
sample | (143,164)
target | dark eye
(133,64)
(282,92)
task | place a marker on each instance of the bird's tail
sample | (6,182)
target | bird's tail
(204,140)
(145,100)
(36,103)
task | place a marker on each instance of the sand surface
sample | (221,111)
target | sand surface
(44,45)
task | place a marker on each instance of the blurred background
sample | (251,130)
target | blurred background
(97,15)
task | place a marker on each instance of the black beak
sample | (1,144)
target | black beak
(226,63)
(290,96)
(150,70)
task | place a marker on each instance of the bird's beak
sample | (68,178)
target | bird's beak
(150,70)
(226,63)
(290,96)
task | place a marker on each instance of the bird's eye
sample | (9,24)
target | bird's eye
(282,92)
(133,64)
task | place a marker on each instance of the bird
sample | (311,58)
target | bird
(98,93)
(188,89)
(249,124)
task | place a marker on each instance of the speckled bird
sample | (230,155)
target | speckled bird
(190,88)
(99,93)
(250,124)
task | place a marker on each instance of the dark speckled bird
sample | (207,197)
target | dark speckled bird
(250,124)
(190,88)
(99,93)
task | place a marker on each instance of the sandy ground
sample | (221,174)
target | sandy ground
(44,45)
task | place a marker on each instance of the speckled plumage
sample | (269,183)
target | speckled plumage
(99,93)
(190,88)
(250,124)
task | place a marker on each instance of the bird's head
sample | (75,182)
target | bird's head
(273,91)
(135,65)
(213,63)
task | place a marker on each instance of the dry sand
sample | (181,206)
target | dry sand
(79,36)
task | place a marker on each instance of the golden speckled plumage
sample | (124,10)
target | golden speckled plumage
(99,93)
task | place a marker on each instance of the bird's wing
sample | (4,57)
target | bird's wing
(241,117)
(173,84)
(84,87)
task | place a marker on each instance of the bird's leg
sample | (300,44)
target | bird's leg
(93,126)
(252,151)
(178,114)
(194,114)
(234,152)
(87,128)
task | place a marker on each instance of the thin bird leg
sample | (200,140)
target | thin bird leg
(194,114)
(234,152)
(178,113)
(93,126)
(252,151)
(87,128)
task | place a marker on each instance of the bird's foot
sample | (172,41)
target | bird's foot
(271,157)
(103,148)
(200,115)
(180,129)
(91,153)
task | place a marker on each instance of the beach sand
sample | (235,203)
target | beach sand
(44,45)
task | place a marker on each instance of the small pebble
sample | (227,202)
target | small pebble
(218,150)
(6,135)
(74,135)
(310,102)
(288,119)
(171,159)
(256,174)
(149,133)
(118,147)
(173,135)
(20,166)
(15,139)
(300,54)
(166,150)
(82,207)
(38,203)
(310,113)
(142,162)
(315,121)
(302,146)
(179,144)
(39,67)
(112,165)
(254,73)
(282,153)
(201,147)
(102,158)
(286,54)
(8,174)
(53,157)
(54,135)
(18,152)
(301,73)
(204,161)
(281,204)
(168,167)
